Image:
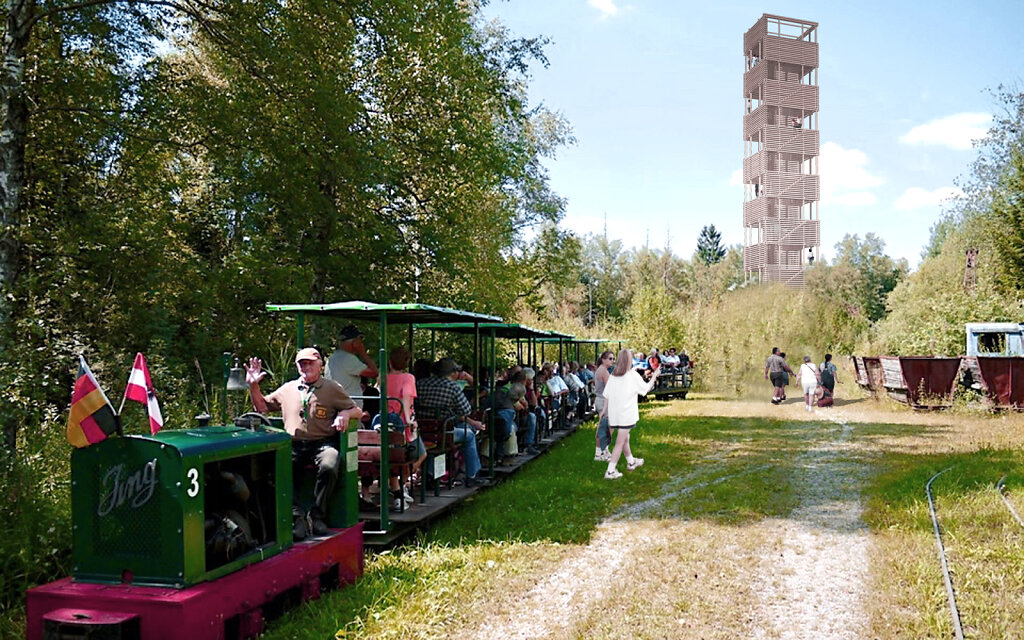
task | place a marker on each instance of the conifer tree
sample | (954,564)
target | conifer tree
(709,245)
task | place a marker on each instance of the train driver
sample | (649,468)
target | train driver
(315,411)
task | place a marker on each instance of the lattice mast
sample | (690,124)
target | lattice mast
(780,160)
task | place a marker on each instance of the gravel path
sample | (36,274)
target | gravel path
(813,564)
(567,594)
(812,581)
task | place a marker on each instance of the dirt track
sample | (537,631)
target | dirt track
(806,575)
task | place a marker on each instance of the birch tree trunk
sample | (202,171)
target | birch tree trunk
(13,127)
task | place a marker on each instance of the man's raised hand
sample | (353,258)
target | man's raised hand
(254,371)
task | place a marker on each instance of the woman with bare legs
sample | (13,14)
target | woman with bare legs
(620,393)
(809,379)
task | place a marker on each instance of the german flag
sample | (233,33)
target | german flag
(92,417)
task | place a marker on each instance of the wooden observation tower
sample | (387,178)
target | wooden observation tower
(780,160)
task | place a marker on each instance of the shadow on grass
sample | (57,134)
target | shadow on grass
(747,469)
(350,608)
(728,470)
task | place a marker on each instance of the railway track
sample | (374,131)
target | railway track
(1000,488)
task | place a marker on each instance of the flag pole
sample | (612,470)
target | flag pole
(123,398)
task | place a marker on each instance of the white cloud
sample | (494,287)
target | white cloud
(845,178)
(736,179)
(918,198)
(955,131)
(606,7)
(854,199)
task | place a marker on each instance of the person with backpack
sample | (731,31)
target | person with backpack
(829,377)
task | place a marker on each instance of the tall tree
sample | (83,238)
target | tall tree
(1007,223)
(981,184)
(877,273)
(167,194)
(548,270)
(604,263)
(706,283)
(709,245)
(652,319)
(69,73)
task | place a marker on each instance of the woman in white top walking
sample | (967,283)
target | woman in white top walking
(620,394)
(808,377)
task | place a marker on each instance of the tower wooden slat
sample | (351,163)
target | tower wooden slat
(780,165)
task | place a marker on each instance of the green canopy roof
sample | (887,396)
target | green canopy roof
(557,336)
(500,329)
(404,313)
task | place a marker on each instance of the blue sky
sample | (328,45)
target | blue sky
(653,91)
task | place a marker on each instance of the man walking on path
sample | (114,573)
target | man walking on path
(775,370)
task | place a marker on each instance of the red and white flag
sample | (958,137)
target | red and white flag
(140,389)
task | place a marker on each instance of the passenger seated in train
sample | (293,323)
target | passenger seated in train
(586,386)
(370,399)
(421,368)
(506,375)
(533,398)
(439,395)
(350,363)
(401,398)
(575,385)
(556,387)
(500,401)
(640,362)
(540,385)
(670,360)
(518,389)
(584,373)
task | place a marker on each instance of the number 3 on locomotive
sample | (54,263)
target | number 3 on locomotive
(193,482)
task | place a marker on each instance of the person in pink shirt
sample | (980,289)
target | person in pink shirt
(401,394)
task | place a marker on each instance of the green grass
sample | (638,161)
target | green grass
(984,545)
(559,499)
(725,473)
(563,496)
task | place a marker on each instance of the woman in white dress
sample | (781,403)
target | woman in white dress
(808,378)
(620,393)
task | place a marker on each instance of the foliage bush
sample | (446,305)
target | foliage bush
(738,332)
(35,509)
(729,337)
(928,310)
